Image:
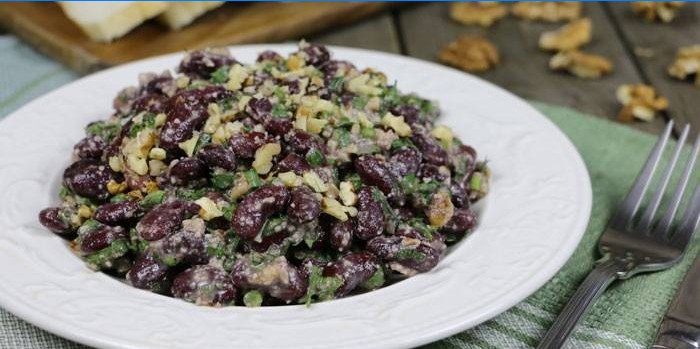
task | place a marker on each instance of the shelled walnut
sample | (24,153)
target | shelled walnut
(687,64)
(639,101)
(548,11)
(470,53)
(583,65)
(664,11)
(484,14)
(569,37)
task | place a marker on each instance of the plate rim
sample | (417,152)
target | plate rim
(80,336)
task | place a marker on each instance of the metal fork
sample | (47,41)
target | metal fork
(630,246)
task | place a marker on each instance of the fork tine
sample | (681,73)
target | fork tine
(689,223)
(694,205)
(648,216)
(630,204)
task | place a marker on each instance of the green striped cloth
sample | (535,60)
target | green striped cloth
(625,317)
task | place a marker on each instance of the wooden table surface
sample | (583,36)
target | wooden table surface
(640,51)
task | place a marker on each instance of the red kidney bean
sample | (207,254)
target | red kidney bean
(124,99)
(433,153)
(187,111)
(89,178)
(277,277)
(292,85)
(114,145)
(157,84)
(148,273)
(410,113)
(463,221)
(432,172)
(316,55)
(278,126)
(153,103)
(259,108)
(217,156)
(90,147)
(244,145)
(408,256)
(375,172)
(334,68)
(269,56)
(303,206)
(404,161)
(341,233)
(164,219)
(115,213)
(101,237)
(370,217)
(204,285)
(353,269)
(49,218)
(186,170)
(405,213)
(295,163)
(459,195)
(256,207)
(187,245)
(301,142)
(200,64)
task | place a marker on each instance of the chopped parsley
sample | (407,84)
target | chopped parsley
(220,75)
(253,299)
(252,178)
(321,288)
(314,157)
(153,199)
(359,102)
(223,180)
(375,281)
(336,84)
(104,257)
(190,194)
(409,253)
(402,143)
(279,111)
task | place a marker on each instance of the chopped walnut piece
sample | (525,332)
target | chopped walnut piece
(639,101)
(484,14)
(583,65)
(663,11)
(548,11)
(687,64)
(569,37)
(470,53)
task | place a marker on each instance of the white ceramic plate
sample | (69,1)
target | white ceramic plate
(531,222)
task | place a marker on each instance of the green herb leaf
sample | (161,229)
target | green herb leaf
(409,183)
(279,111)
(344,121)
(402,143)
(153,199)
(103,258)
(368,132)
(252,178)
(409,253)
(375,281)
(343,137)
(321,288)
(226,104)
(119,198)
(103,129)
(190,194)
(135,129)
(149,120)
(204,139)
(425,230)
(228,212)
(223,180)
(220,75)
(253,299)
(336,84)
(314,157)
(64,192)
(392,217)
(217,251)
(355,179)
(359,102)
(273,225)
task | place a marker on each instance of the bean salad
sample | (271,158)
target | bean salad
(286,181)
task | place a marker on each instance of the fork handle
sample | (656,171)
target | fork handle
(590,289)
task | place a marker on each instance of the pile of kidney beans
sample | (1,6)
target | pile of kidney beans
(268,242)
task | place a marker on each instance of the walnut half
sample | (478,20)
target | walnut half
(568,37)
(548,11)
(484,14)
(687,64)
(583,65)
(639,101)
(663,11)
(470,53)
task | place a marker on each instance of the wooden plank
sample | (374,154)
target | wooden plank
(376,33)
(45,26)
(655,45)
(523,69)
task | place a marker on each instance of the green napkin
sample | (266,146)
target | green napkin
(625,317)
